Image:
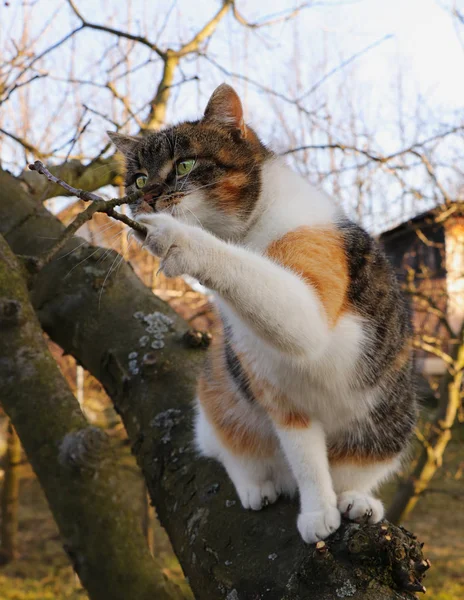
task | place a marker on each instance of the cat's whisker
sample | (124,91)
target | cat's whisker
(105,280)
(108,250)
(193,215)
(202,187)
(90,255)
(101,230)
(118,260)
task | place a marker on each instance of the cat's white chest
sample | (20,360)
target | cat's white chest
(323,388)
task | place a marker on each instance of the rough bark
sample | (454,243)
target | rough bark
(226,552)
(148,520)
(431,457)
(71,459)
(10,499)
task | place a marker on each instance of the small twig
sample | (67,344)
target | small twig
(98,205)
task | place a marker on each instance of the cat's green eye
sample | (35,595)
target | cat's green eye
(184,167)
(140,180)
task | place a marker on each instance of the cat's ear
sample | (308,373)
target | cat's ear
(225,108)
(126,144)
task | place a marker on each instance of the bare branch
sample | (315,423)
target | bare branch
(344,64)
(286,16)
(421,344)
(25,144)
(431,171)
(117,32)
(261,87)
(47,51)
(205,32)
(378,157)
(98,205)
(17,86)
(125,102)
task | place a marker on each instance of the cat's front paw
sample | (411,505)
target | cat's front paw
(169,240)
(318,525)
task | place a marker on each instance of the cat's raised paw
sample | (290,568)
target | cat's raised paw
(318,525)
(257,496)
(168,239)
(360,507)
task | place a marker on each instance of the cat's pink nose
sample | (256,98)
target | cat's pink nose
(152,193)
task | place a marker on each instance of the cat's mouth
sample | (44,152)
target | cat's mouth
(154,202)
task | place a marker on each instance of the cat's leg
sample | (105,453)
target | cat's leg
(354,485)
(258,288)
(305,449)
(245,443)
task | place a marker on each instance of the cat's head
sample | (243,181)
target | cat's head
(205,172)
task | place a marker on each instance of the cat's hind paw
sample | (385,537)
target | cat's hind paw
(256,496)
(318,525)
(360,507)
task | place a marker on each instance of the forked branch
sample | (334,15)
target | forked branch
(99,204)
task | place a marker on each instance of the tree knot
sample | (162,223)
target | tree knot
(84,449)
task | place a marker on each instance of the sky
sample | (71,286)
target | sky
(415,66)
(424,42)
(423,39)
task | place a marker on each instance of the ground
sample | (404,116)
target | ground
(42,570)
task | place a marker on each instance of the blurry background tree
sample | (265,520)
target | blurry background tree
(349,109)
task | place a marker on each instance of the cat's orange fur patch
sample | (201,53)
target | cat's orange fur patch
(277,405)
(318,256)
(227,412)
(233,432)
(229,191)
(291,419)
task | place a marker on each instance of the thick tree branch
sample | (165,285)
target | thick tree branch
(9,500)
(72,460)
(159,103)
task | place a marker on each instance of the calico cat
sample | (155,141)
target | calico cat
(308,385)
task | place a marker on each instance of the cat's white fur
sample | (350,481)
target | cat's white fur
(278,320)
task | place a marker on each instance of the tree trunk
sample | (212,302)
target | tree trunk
(148,520)
(10,499)
(431,457)
(226,552)
(72,460)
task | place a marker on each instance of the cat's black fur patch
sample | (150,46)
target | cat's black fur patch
(235,369)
